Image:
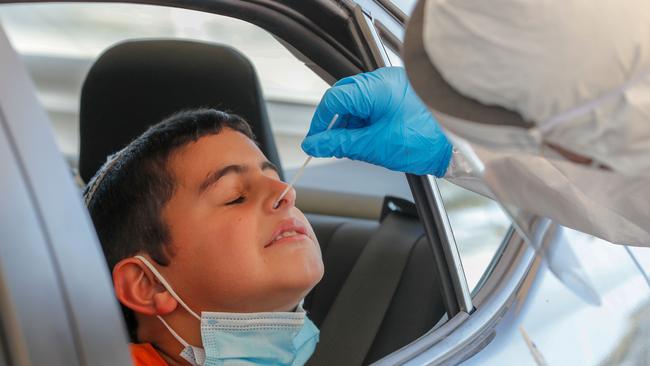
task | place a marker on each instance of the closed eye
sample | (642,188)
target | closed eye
(240,199)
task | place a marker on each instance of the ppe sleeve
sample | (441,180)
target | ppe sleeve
(602,203)
(460,172)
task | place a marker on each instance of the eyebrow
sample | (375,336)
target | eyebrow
(214,176)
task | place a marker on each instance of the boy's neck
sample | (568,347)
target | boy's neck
(173,358)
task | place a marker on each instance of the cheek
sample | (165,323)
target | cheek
(229,250)
(234,233)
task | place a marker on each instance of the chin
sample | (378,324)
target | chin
(315,275)
(305,267)
(304,278)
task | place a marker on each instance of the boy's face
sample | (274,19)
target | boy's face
(223,226)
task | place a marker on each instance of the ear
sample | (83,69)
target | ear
(139,290)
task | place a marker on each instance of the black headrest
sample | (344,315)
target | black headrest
(136,84)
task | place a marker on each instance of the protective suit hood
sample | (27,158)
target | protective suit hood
(518,80)
(514,75)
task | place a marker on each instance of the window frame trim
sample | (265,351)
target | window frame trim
(428,200)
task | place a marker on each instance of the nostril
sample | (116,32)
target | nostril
(283,196)
(277,204)
(301,169)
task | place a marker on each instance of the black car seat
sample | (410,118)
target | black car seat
(137,83)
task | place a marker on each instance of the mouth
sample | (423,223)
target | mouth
(289,230)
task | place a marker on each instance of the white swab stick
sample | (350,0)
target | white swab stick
(302,168)
(537,355)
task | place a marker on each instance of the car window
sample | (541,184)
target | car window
(479,228)
(405,5)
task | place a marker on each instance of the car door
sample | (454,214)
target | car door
(56,305)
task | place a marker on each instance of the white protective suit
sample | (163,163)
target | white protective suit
(577,74)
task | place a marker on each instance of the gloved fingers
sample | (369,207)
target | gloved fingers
(318,145)
(348,80)
(340,143)
(348,101)
(351,122)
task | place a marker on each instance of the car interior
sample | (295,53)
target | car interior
(380,290)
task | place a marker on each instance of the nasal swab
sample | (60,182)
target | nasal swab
(302,168)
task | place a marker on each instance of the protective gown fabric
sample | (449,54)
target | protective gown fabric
(598,202)
(580,71)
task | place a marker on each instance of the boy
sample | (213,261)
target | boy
(208,269)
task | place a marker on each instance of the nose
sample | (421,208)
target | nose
(288,200)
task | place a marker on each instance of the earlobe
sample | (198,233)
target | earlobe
(164,303)
(139,290)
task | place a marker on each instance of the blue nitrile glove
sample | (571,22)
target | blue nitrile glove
(381,121)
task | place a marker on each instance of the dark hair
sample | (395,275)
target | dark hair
(126,196)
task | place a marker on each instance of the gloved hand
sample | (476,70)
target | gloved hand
(381,121)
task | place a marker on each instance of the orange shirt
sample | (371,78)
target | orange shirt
(143,354)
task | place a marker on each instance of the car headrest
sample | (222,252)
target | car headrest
(136,84)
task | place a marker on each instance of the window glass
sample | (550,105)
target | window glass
(479,227)
(406,5)
(394,57)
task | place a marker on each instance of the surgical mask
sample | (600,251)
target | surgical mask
(269,338)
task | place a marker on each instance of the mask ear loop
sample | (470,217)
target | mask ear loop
(174,295)
(173,332)
(166,285)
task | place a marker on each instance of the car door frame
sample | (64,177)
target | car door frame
(53,276)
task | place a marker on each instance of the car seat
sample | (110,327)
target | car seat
(137,83)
